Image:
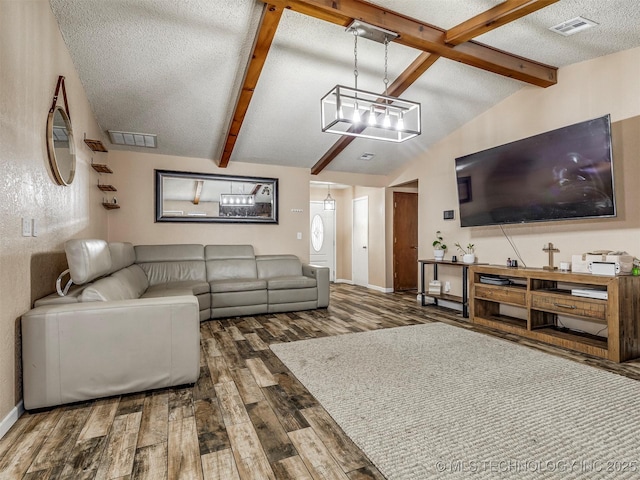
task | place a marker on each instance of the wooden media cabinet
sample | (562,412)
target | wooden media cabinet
(542,296)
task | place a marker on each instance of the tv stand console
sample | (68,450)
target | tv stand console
(542,296)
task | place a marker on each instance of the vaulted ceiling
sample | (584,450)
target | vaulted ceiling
(176,68)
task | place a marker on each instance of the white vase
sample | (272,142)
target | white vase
(438,254)
(469,258)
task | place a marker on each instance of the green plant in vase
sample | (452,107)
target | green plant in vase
(439,247)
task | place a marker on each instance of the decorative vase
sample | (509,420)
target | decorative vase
(438,254)
(469,258)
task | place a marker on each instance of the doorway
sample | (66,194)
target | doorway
(360,245)
(405,241)
(322,248)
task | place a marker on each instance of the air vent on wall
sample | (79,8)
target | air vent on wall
(133,139)
(572,26)
(366,156)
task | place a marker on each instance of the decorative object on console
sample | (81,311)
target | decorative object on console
(468,253)
(550,249)
(622,260)
(435,287)
(438,246)
(358,113)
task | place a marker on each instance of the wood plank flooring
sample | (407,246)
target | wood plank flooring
(246,418)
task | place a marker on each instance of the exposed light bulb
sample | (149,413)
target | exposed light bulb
(386,123)
(356,114)
(372,116)
(400,124)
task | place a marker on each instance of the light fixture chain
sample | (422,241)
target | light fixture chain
(386,58)
(355,56)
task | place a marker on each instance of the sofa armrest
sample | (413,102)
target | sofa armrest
(81,351)
(321,274)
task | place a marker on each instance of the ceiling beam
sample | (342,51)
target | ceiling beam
(399,85)
(422,36)
(269,21)
(495,17)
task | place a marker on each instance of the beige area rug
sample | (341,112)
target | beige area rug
(437,401)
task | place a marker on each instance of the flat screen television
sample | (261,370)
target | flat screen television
(558,175)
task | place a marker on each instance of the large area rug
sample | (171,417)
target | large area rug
(438,401)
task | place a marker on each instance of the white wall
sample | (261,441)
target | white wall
(32,55)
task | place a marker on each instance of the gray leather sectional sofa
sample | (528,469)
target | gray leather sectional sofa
(133,321)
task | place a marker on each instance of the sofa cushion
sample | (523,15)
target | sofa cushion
(126,284)
(270,266)
(288,283)
(88,259)
(171,263)
(122,255)
(225,262)
(237,285)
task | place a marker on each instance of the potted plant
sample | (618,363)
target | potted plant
(468,253)
(438,246)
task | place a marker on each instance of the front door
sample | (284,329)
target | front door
(322,238)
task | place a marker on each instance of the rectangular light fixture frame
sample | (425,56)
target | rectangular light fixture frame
(394,119)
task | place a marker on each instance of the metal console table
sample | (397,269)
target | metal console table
(464,299)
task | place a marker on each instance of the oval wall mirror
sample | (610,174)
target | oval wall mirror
(60,146)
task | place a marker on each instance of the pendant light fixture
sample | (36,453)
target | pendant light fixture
(358,113)
(329,203)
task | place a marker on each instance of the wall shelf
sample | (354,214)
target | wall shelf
(110,206)
(95,145)
(100,168)
(107,188)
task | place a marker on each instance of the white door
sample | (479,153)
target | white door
(323,238)
(360,264)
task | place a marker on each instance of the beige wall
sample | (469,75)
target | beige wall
(586,90)
(32,55)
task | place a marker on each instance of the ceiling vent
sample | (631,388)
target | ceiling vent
(366,156)
(133,139)
(572,26)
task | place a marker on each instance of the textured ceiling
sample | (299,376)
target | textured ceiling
(174,68)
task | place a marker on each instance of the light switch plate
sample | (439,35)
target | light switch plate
(34,227)
(299,236)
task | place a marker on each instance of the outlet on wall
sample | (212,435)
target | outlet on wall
(447,286)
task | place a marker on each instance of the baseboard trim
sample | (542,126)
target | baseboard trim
(13,416)
(343,280)
(380,289)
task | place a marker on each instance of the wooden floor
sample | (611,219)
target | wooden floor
(247,417)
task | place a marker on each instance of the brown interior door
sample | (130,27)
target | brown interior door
(405,241)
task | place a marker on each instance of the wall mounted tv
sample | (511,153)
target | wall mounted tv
(559,175)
